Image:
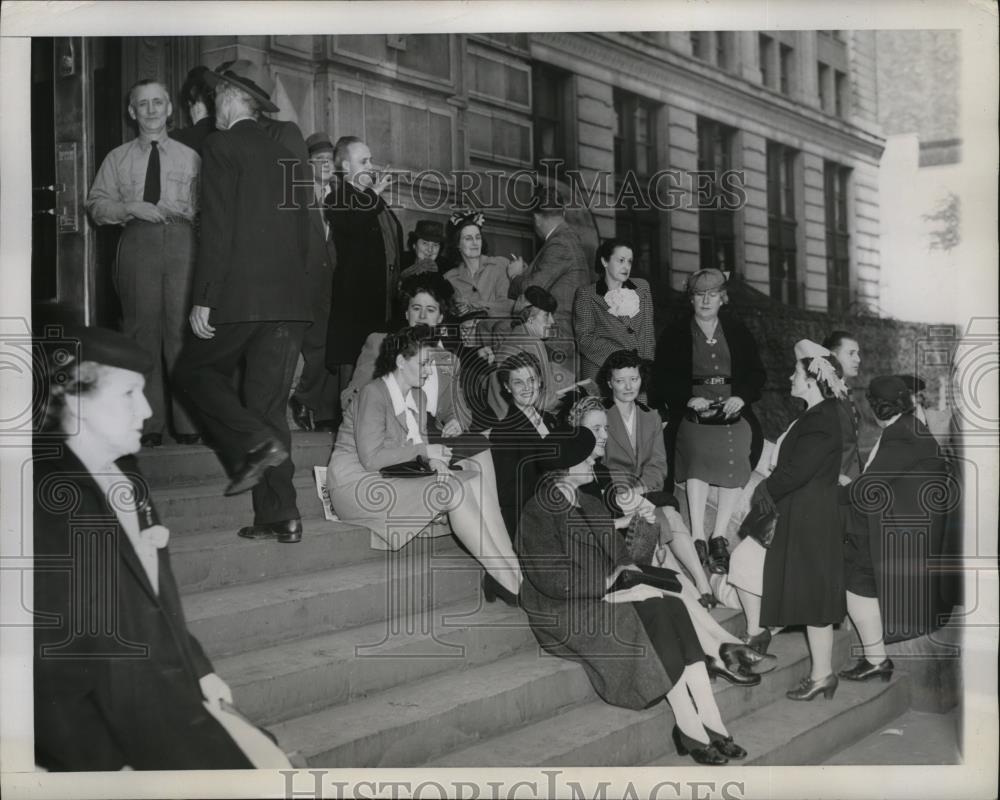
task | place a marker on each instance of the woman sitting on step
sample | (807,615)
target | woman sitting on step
(726,656)
(386,427)
(636,645)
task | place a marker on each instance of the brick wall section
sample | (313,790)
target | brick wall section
(866,260)
(595,145)
(814,232)
(755,234)
(861,60)
(682,136)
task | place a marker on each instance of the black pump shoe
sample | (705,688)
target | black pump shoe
(808,688)
(735,676)
(702,753)
(742,655)
(701,548)
(718,555)
(493,589)
(864,670)
(726,745)
(759,641)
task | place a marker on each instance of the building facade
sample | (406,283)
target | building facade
(754,151)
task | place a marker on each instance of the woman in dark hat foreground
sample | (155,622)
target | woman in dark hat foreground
(119,680)
(636,645)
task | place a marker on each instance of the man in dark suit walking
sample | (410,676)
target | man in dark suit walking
(314,403)
(250,302)
(369,242)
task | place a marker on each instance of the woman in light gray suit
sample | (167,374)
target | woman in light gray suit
(384,427)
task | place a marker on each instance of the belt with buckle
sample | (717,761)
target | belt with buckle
(715,380)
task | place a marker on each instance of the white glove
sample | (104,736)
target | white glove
(215,690)
(635,594)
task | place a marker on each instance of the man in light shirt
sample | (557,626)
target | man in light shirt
(149,186)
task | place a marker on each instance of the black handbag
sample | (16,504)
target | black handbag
(713,415)
(417,468)
(659,577)
(760,523)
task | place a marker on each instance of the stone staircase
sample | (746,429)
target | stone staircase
(356,657)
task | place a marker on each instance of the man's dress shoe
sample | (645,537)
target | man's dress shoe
(266,455)
(288,531)
(302,415)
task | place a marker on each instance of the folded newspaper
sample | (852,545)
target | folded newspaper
(319,473)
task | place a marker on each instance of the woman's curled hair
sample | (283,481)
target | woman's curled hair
(65,380)
(405,343)
(431,283)
(579,410)
(515,362)
(606,250)
(620,359)
(884,409)
(829,378)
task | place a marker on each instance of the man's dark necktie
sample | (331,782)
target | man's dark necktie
(151,193)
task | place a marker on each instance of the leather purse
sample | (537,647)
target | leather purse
(659,577)
(713,415)
(417,468)
(760,523)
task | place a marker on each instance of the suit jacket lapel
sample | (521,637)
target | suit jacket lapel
(616,430)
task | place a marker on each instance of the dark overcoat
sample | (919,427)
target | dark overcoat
(672,373)
(804,567)
(567,554)
(902,502)
(365,281)
(252,251)
(125,690)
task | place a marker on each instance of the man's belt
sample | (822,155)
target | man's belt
(170,220)
(715,380)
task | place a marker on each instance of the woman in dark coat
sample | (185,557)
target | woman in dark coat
(896,526)
(803,581)
(636,645)
(707,367)
(135,690)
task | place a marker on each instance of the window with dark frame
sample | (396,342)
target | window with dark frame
(765,45)
(836,180)
(635,161)
(722,39)
(716,224)
(822,76)
(552,112)
(785,67)
(839,93)
(782,224)
(697,44)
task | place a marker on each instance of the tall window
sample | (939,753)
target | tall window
(831,52)
(552,99)
(781,224)
(716,224)
(635,160)
(722,47)
(785,68)
(822,77)
(766,48)
(698,44)
(839,93)
(838,240)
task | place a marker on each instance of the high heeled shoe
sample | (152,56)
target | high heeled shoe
(864,670)
(809,688)
(701,548)
(701,752)
(759,641)
(735,676)
(726,745)
(735,655)
(493,589)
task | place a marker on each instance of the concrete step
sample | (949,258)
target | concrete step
(412,724)
(190,509)
(217,558)
(244,617)
(596,733)
(174,464)
(297,678)
(790,733)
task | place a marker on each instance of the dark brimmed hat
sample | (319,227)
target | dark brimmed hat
(319,142)
(429,230)
(913,383)
(705,280)
(111,348)
(572,449)
(247,76)
(540,298)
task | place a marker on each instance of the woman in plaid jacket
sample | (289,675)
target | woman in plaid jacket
(615,313)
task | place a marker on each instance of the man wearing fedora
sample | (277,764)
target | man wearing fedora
(314,403)
(369,242)
(249,302)
(149,186)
